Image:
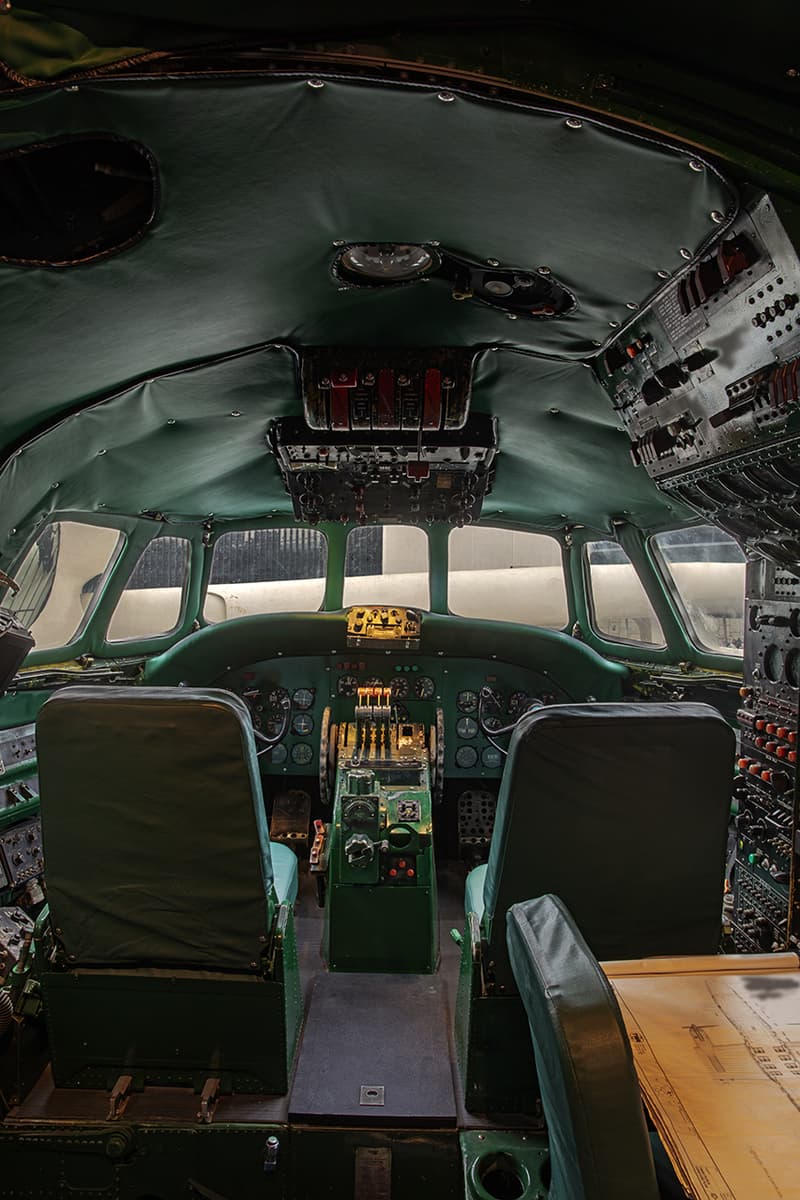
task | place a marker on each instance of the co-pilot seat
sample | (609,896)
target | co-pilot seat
(171,911)
(620,809)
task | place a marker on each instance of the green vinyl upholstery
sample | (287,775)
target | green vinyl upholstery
(154,828)
(622,809)
(169,906)
(599,1145)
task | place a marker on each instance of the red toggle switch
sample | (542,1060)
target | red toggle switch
(759,741)
(743,763)
(792,756)
(782,751)
(760,724)
(411,872)
(782,731)
(771,728)
(771,747)
(766,776)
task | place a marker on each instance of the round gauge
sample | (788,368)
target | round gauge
(276,697)
(278,754)
(302,754)
(303,698)
(273,726)
(466,727)
(466,757)
(373,681)
(347,685)
(773,663)
(401,714)
(793,668)
(467,702)
(517,703)
(492,723)
(302,724)
(424,687)
(399,687)
(492,758)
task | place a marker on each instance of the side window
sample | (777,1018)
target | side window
(152,601)
(506,575)
(266,570)
(619,605)
(61,578)
(387,564)
(706,568)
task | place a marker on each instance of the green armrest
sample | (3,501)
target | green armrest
(599,1145)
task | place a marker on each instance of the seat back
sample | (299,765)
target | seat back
(599,1145)
(622,810)
(154,831)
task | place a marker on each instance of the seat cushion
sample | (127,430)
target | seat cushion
(473,891)
(284,872)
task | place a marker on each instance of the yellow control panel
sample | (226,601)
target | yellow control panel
(383,623)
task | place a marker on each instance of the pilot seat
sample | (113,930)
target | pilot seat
(171,912)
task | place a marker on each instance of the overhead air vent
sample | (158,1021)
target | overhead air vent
(72,201)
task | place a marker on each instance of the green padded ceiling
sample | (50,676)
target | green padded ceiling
(172,445)
(258,180)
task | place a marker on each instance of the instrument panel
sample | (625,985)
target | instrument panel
(419,684)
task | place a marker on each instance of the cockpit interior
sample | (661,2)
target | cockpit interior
(399,598)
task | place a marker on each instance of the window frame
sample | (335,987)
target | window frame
(352,528)
(667,581)
(156,638)
(555,536)
(243,527)
(607,638)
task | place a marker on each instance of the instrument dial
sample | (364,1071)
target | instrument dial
(347,685)
(302,754)
(276,697)
(517,703)
(302,724)
(466,757)
(273,726)
(492,723)
(467,702)
(424,687)
(492,758)
(303,698)
(399,687)
(467,727)
(278,754)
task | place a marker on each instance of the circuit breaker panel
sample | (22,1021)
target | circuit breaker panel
(707,385)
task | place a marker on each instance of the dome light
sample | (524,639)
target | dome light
(387,262)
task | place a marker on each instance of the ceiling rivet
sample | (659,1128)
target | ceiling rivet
(554,411)
(339,242)
(511,316)
(716,216)
(101,451)
(631,305)
(72,88)
(445,97)
(695,164)
(543,271)
(12,531)
(684,253)
(574,123)
(433,243)
(613,324)
(236,413)
(316,83)
(662,274)
(55,485)
(595,343)
(170,420)
(493,262)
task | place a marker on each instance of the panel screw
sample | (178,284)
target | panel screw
(432,243)
(316,83)
(511,316)
(170,420)
(543,271)
(55,485)
(695,164)
(73,86)
(716,216)
(236,413)
(631,305)
(595,343)
(12,532)
(493,262)
(445,97)
(574,123)
(684,253)
(339,242)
